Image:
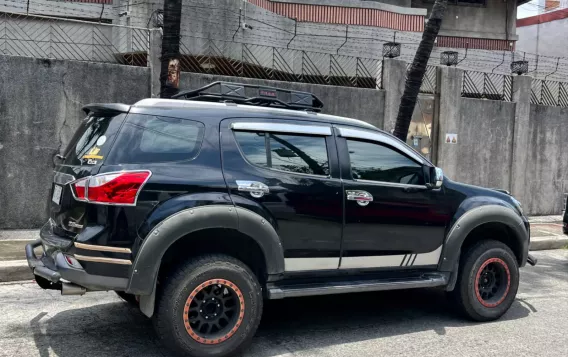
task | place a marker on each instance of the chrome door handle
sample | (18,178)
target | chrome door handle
(256,189)
(362,197)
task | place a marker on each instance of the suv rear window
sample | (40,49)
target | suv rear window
(92,140)
(148,138)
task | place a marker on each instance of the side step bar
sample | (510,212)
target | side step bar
(424,281)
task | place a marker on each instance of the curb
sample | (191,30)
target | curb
(546,243)
(14,270)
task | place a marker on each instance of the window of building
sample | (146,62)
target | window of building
(302,154)
(374,162)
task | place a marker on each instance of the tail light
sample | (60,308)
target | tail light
(116,188)
(79,189)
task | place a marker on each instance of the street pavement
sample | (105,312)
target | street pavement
(35,322)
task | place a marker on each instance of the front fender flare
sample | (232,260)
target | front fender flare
(474,218)
(147,262)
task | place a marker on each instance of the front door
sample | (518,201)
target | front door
(287,171)
(391,219)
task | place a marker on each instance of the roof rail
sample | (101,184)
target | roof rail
(253,95)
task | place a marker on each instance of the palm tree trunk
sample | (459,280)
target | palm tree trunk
(170,66)
(417,70)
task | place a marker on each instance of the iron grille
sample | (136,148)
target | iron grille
(483,85)
(428,85)
(229,58)
(57,38)
(550,93)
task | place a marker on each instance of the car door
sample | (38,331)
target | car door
(392,219)
(294,163)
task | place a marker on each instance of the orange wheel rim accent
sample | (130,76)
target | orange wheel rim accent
(506,275)
(239,319)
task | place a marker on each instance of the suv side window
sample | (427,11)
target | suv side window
(148,138)
(297,153)
(375,162)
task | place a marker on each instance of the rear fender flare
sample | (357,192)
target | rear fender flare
(148,260)
(474,218)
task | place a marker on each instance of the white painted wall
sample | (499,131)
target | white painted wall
(548,39)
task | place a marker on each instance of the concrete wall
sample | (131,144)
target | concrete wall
(487,21)
(485,131)
(547,166)
(358,103)
(515,146)
(40,108)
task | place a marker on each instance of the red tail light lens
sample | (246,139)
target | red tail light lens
(119,188)
(78,188)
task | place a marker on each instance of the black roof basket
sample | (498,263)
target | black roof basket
(253,95)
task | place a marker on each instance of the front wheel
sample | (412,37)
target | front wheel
(211,306)
(488,281)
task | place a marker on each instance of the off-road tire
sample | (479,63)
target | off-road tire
(468,298)
(171,318)
(129,298)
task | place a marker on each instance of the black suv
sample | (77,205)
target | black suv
(200,207)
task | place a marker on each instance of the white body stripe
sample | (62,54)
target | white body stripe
(303,264)
(431,258)
(376,261)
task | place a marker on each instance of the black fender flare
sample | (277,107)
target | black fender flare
(146,265)
(474,218)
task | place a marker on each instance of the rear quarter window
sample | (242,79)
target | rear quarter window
(149,138)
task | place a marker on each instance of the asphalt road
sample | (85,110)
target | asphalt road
(35,322)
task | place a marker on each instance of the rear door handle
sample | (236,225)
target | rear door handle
(255,188)
(361,197)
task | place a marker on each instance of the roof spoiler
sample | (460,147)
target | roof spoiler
(106,108)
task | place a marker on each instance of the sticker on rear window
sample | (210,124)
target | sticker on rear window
(93,154)
(102,140)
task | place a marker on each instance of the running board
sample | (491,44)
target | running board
(424,281)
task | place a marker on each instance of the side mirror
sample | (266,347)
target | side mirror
(436,178)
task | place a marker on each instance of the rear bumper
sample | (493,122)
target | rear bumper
(53,267)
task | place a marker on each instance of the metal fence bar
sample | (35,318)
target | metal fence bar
(61,38)
(491,86)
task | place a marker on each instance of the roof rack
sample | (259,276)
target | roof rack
(253,95)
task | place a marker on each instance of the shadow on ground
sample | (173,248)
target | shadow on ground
(288,326)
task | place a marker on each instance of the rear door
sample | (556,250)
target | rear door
(295,164)
(83,157)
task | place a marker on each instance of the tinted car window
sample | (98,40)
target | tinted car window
(294,153)
(147,138)
(253,146)
(370,161)
(92,140)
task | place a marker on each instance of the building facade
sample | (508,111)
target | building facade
(476,24)
(544,34)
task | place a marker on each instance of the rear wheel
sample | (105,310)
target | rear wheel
(211,306)
(488,281)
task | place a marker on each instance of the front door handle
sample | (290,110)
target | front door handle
(255,188)
(362,197)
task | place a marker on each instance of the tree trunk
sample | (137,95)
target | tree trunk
(170,67)
(417,70)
